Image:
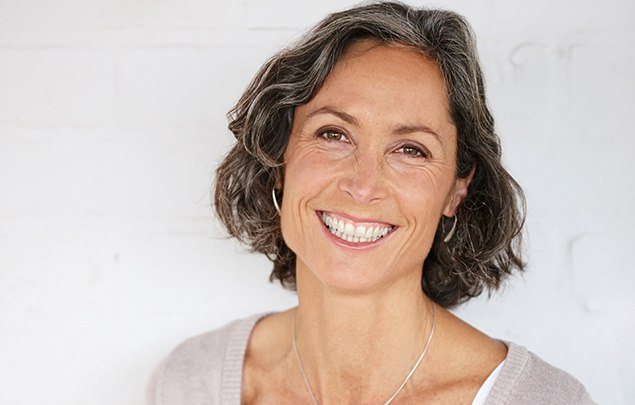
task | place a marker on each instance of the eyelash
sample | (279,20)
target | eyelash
(329,131)
(422,154)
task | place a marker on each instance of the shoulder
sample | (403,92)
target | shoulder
(194,371)
(527,379)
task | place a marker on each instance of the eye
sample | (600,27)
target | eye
(414,151)
(332,135)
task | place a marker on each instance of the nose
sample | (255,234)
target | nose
(364,179)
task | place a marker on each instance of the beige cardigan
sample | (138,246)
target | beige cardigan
(207,370)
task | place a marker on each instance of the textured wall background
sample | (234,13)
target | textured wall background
(112,119)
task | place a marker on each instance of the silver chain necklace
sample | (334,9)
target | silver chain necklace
(425,349)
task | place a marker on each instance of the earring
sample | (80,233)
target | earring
(451,233)
(275,203)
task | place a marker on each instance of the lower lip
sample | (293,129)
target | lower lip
(352,245)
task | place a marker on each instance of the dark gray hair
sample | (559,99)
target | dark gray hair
(487,243)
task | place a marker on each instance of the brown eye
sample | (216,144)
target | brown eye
(331,135)
(413,151)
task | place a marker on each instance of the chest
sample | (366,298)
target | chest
(264,388)
(260,386)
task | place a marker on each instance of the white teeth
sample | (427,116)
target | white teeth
(340,226)
(351,233)
(360,231)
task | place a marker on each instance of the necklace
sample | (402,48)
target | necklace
(425,349)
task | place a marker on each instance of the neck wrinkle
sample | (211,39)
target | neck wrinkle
(360,348)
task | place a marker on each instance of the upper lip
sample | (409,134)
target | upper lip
(358,219)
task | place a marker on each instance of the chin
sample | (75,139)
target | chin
(345,278)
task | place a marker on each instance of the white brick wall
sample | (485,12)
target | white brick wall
(112,119)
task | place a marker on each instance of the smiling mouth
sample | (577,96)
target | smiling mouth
(353,232)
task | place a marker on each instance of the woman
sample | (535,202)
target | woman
(367,169)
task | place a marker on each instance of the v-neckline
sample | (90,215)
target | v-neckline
(234,357)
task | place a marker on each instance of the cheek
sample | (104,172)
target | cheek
(419,188)
(307,176)
(308,171)
(420,195)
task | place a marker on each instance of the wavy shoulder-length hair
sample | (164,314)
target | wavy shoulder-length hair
(486,246)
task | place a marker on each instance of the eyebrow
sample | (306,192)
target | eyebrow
(398,130)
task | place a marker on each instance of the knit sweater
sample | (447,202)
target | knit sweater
(207,370)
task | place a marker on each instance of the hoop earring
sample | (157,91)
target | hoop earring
(275,202)
(451,233)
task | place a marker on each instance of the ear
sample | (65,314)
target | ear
(459,192)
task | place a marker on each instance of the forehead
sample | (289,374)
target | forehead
(375,80)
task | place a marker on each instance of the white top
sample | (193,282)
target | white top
(479,399)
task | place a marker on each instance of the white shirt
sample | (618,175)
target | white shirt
(479,399)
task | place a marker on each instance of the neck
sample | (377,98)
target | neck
(359,347)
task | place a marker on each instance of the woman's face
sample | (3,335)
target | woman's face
(372,153)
